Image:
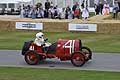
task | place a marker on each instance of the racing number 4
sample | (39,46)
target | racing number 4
(70,45)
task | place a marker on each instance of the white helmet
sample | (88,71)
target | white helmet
(39,35)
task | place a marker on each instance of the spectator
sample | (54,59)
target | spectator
(56,14)
(51,4)
(85,13)
(25,12)
(82,5)
(115,9)
(70,15)
(97,10)
(77,13)
(106,9)
(100,7)
(39,5)
(62,14)
(47,5)
(46,13)
(40,13)
(33,13)
(74,8)
(67,12)
(51,12)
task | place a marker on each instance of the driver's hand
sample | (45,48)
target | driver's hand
(43,45)
(46,39)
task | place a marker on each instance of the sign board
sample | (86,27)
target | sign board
(29,26)
(82,27)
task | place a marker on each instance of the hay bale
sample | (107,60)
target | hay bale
(12,25)
(4,25)
(112,28)
(55,26)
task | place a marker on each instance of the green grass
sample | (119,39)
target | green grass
(14,40)
(53,74)
(97,42)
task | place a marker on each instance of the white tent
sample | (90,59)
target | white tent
(15,1)
(8,1)
(24,0)
(31,2)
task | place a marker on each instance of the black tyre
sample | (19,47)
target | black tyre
(31,57)
(26,47)
(87,52)
(78,59)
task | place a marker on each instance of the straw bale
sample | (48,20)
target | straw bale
(55,26)
(4,25)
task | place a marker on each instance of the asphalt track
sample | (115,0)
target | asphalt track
(100,62)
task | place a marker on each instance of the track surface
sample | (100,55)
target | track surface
(100,62)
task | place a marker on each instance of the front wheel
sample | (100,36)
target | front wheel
(31,57)
(87,52)
(78,59)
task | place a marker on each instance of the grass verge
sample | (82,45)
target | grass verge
(13,40)
(53,74)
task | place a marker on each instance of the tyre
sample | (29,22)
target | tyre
(78,59)
(87,52)
(26,47)
(31,57)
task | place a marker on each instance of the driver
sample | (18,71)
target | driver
(40,41)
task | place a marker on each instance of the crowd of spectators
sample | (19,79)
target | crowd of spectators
(104,8)
(52,11)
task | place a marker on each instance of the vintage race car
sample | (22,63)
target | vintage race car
(63,49)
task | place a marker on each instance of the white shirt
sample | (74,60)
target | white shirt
(39,42)
(85,13)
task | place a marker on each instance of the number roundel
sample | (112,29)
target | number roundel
(70,45)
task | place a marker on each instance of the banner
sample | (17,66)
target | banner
(29,26)
(82,27)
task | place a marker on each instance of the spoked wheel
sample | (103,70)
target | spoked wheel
(31,57)
(78,59)
(87,52)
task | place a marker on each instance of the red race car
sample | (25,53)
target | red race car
(63,49)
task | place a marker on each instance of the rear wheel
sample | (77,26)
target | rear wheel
(31,57)
(87,52)
(78,59)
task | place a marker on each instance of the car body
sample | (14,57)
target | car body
(63,49)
